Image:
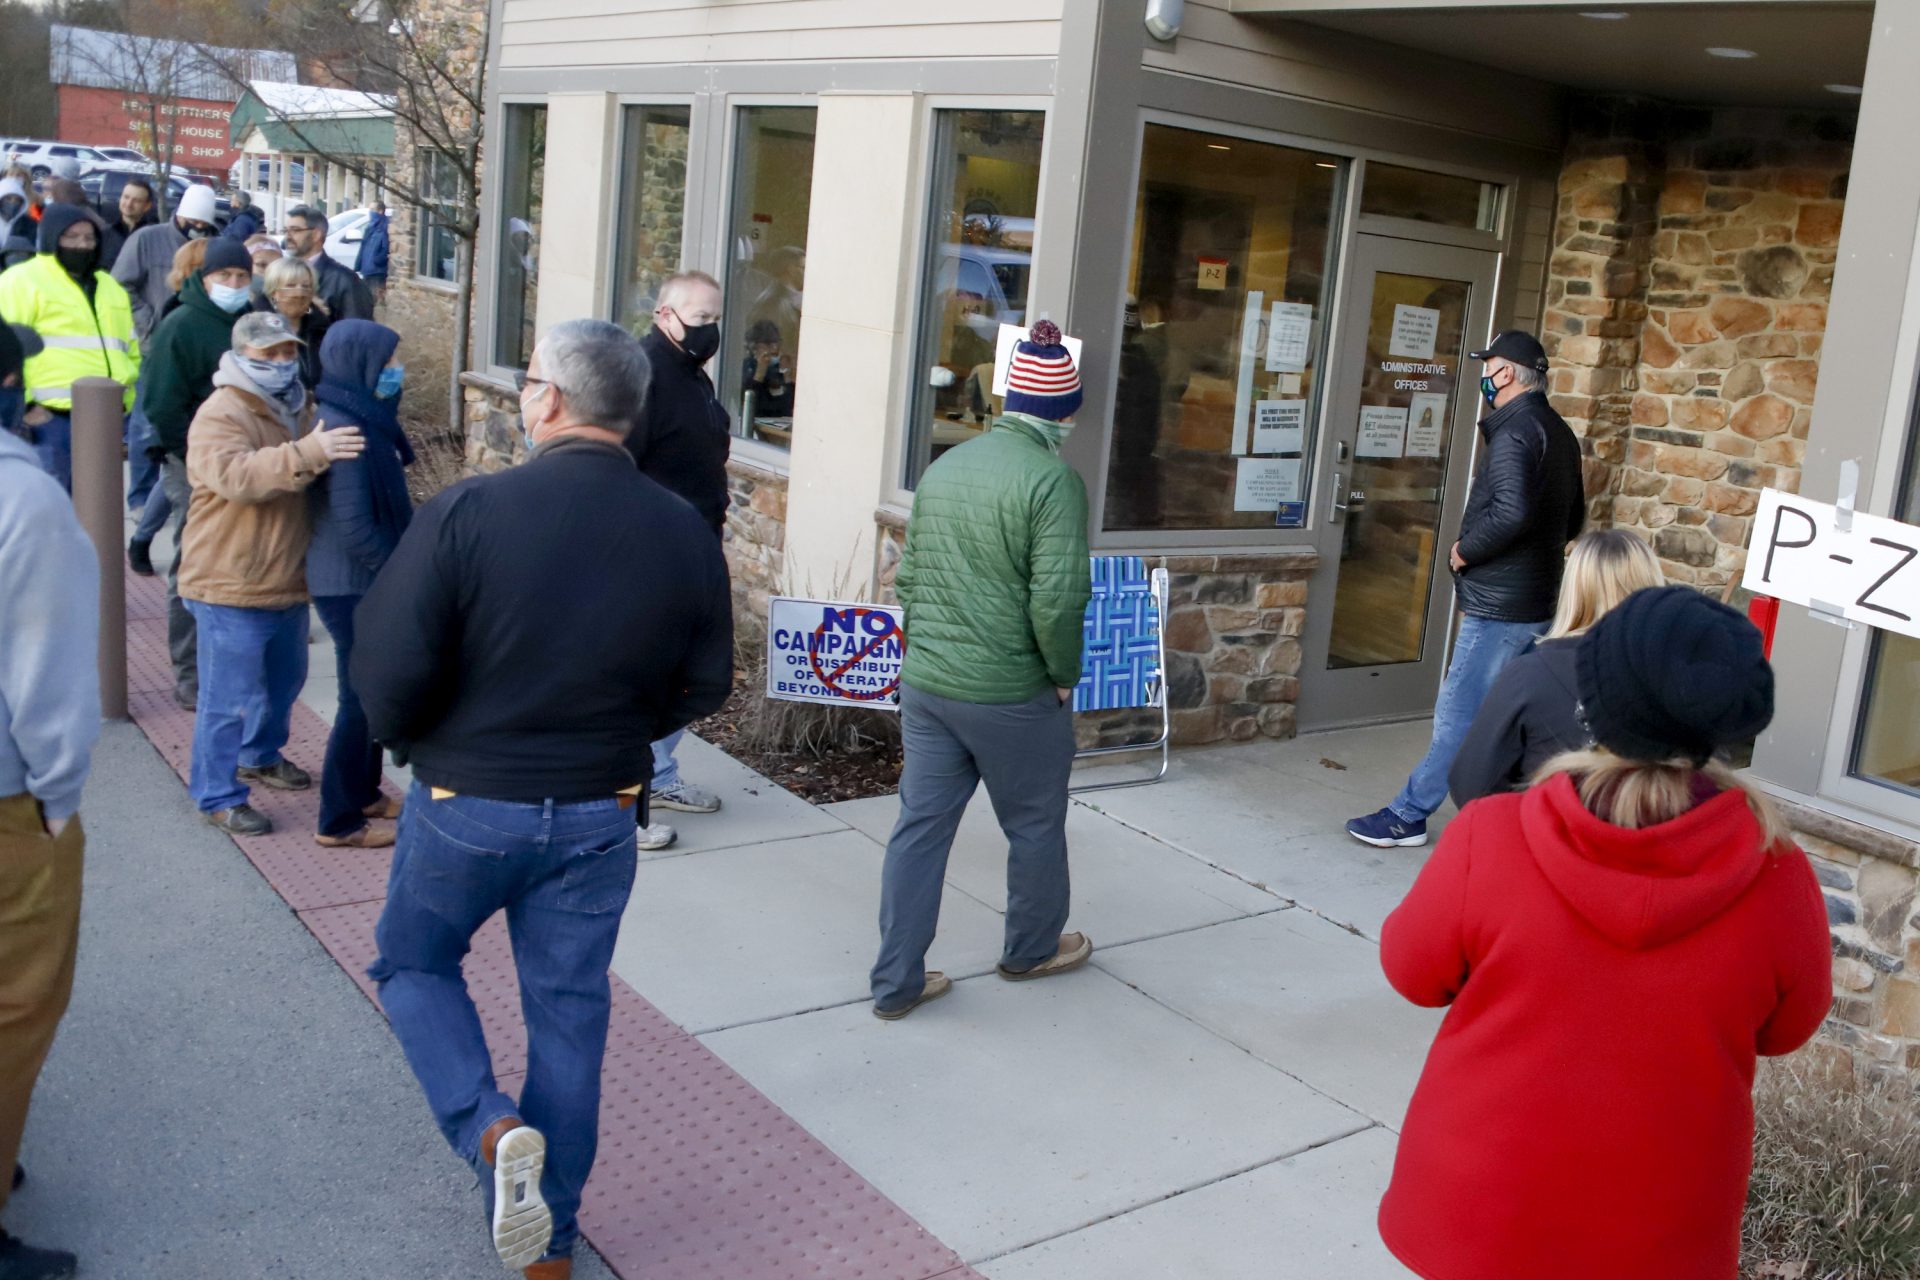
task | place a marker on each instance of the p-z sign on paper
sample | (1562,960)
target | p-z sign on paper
(1868,572)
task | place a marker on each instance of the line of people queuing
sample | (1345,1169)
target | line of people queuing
(1617,941)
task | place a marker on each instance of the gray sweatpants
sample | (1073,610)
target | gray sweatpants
(182,638)
(1024,753)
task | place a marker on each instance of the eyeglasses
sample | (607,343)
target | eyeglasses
(521,381)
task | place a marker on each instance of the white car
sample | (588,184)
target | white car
(345,230)
(38,154)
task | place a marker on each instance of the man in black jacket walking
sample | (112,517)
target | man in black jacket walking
(1526,504)
(532,633)
(682,441)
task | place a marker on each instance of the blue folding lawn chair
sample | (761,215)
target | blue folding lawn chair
(1126,656)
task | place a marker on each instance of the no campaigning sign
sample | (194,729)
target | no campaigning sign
(833,652)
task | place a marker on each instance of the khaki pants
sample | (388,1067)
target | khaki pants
(39,935)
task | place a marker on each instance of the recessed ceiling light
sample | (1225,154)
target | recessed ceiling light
(1850,90)
(1218,146)
(1603,15)
(1722,51)
(1325,164)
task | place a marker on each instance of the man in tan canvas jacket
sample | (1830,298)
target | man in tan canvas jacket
(250,457)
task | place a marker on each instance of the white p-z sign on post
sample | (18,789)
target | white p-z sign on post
(1843,566)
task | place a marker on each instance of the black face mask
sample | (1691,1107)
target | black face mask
(78,262)
(700,341)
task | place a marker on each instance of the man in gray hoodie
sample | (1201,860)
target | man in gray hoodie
(49,719)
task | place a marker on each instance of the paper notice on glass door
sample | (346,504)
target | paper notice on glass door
(1383,432)
(1252,342)
(1289,337)
(1279,426)
(1262,484)
(1426,425)
(1415,330)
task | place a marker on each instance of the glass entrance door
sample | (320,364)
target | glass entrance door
(1401,440)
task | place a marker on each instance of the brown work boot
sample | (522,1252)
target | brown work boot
(522,1223)
(551,1269)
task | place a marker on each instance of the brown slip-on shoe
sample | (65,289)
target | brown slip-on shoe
(384,807)
(375,835)
(551,1269)
(936,985)
(1073,952)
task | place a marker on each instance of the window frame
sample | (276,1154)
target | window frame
(756,452)
(424,219)
(495,235)
(693,204)
(900,447)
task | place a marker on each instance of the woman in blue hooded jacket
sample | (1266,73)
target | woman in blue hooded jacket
(360,511)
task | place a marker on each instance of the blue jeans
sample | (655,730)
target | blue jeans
(666,770)
(52,443)
(154,510)
(143,473)
(1023,751)
(252,664)
(350,777)
(1483,648)
(562,873)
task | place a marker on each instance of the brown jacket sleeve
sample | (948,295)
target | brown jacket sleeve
(227,453)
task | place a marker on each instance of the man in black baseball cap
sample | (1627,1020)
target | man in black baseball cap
(1526,504)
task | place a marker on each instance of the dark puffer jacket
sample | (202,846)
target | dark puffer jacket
(1527,503)
(1531,714)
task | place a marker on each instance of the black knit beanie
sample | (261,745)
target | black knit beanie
(1670,673)
(226,255)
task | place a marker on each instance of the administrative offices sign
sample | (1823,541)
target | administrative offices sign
(833,652)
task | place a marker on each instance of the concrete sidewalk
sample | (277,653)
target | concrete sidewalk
(1216,1095)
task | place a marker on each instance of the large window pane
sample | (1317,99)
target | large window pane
(1221,355)
(979,260)
(522,157)
(436,245)
(767,234)
(653,209)
(1888,749)
(1440,198)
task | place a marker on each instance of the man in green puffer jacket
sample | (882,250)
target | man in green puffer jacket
(995,581)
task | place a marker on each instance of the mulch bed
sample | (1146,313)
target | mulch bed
(828,777)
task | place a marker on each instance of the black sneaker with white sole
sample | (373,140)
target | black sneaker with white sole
(282,775)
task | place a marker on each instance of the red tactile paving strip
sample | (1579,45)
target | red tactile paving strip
(699,1175)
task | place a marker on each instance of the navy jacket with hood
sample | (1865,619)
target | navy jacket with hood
(361,506)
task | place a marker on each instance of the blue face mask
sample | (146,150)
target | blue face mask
(392,378)
(1488,391)
(13,406)
(228,298)
(271,376)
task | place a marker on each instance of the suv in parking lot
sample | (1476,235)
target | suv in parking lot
(38,154)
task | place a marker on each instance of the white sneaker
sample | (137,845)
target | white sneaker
(657,836)
(684,798)
(522,1223)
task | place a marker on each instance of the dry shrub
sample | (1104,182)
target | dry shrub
(439,460)
(811,730)
(1836,1177)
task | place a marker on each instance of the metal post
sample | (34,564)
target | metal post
(97,488)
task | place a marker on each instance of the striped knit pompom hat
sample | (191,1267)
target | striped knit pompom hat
(1042,380)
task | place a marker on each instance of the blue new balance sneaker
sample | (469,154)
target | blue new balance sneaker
(1388,830)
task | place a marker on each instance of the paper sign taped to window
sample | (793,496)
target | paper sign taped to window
(1383,432)
(1415,330)
(1262,484)
(1279,426)
(1011,335)
(1426,424)
(1289,337)
(1213,274)
(1867,573)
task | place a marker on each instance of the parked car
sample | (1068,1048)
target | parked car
(345,231)
(988,282)
(103,188)
(38,154)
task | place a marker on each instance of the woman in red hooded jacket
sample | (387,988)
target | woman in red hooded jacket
(1617,945)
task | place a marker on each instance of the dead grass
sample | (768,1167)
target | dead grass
(1836,1177)
(439,460)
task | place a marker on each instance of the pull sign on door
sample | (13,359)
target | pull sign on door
(1864,570)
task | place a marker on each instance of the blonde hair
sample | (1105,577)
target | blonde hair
(1645,793)
(281,273)
(1604,568)
(187,259)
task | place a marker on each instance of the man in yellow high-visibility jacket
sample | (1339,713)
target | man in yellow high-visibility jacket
(85,322)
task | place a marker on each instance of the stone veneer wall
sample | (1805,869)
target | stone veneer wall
(1686,302)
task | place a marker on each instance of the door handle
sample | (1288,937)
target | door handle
(1345,499)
